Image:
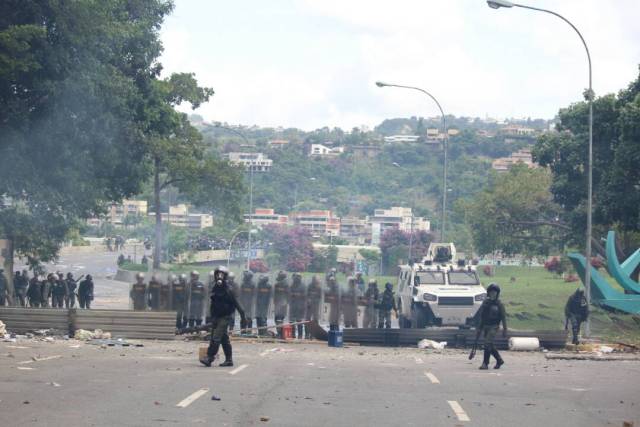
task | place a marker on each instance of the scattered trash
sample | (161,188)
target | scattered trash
(605,349)
(216,398)
(26,402)
(85,335)
(103,343)
(524,344)
(264,419)
(425,344)
(3,328)
(55,384)
(157,403)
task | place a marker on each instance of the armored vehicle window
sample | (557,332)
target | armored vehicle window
(429,278)
(463,278)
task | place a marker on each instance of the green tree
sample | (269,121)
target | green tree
(72,82)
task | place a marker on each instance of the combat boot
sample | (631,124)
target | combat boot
(485,360)
(499,361)
(211,354)
(228,354)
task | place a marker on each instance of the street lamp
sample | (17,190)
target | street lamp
(497,4)
(251,168)
(250,232)
(445,144)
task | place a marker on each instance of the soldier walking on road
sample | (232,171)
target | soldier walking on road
(246,295)
(349,301)
(332,297)
(85,292)
(4,288)
(371,295)
(153,293)
(280,301)
(298,304)
(178,298)
(70,300)
(34,292)
(21,282)
(263,301)
(197,294)
(576,311)
(314,303)
(490,315)
(386,303)
(223,305)
(138,293)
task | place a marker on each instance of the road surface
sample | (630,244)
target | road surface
(76,384)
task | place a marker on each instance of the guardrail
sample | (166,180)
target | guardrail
(121,323)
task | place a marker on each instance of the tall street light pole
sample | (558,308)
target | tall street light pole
(251,168)
(445,144)
(497,4)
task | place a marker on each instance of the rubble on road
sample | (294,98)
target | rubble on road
(430,344)
(3,328)
(84,335)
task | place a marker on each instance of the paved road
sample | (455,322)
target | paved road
(77,384)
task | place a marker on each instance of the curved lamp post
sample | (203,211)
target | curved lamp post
(445,144)
(497,4)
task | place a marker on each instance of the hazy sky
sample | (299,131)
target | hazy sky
(313,63)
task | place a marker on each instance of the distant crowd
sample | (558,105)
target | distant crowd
(53,290)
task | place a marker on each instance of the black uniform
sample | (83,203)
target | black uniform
(332,297)
(386,303)
(314,303)
(298,304)
(490,315)
(280,300)
(165,296)
(58,293)
(45,291)
(153,294)
(576,311)
(34,292)
(85,292)
(3,288)
(223,306)
(197,294)
(246,295)
(139,296)
(20,282)
(371,295)
(178,301)
(70,300)
(263,301)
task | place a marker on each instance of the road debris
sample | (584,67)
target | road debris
(53,383)
(264,419)
(216,398)
(85,335)
(430,344)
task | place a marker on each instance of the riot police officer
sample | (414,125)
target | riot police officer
(223,306)
(197,294)
(314,303)
(153,293)
(4,288)
(349,302)
(576,311)
(165,294)
(263,301)
(298,304)
(70,300)
(45,290)
(85,292)
(371,295)
(210,284)
(178,298)
(138,293)
(20,282)
(246,296)
(490,315)
(332,297)
(280,300)
(58,290)
(34,292)
(360,282)
(387,302)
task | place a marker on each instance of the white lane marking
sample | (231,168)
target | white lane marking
(238,369)
(16,346)
(192,398)
(457,409)
(432,378)
(418,360)
(264,353)
(25,368)
(38,359)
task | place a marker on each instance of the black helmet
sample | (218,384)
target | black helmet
(493,287)
(89,277)
(388,286)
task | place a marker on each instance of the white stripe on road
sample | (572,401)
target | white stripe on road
(192,398)
(264,353)
(238,369)
(432,378)
(38,359)
(24,368)
(457,409)
(418,360)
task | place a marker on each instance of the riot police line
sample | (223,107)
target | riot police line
(289,297)
(55,290)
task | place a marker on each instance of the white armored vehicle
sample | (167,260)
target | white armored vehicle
(439,291)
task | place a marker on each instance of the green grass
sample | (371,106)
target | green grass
(536,299)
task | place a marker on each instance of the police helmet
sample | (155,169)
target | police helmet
(372,282)
(138,276)
(493,287)
(231,275)
(195,273)
(69,275)
(89,277)
(212,273)
(183,276)
(172,278)
(388,286)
